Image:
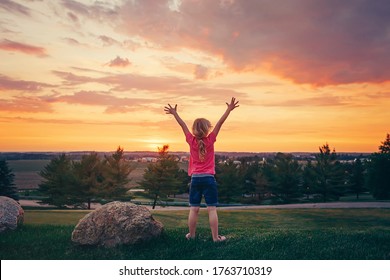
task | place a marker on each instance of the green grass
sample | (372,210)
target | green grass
(252,234)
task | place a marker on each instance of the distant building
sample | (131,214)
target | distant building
(148,159)
(184,159)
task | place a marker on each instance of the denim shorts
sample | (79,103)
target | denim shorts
(203,186)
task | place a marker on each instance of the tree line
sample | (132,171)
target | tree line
(281,179)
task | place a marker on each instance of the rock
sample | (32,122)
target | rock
(11,214)
(116,223)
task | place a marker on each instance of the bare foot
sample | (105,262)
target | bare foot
(189,237)
(221,238)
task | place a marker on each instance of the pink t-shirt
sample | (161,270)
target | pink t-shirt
(196,166)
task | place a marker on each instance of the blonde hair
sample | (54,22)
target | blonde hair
(200,129)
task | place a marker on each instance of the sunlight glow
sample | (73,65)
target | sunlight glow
(93,75)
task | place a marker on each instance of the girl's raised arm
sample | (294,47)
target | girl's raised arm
(230,107)
(173,110)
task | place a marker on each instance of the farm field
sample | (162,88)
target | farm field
(277,234)
(27,172)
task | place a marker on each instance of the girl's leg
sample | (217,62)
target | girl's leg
(192,221)
(213,220)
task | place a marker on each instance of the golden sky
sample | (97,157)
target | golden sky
(93,75)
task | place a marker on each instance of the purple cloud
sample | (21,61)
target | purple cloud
(12,6)
(7,83)
(119,62)
(9,45)
(318,42)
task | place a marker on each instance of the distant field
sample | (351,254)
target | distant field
(27,172)
(27,165)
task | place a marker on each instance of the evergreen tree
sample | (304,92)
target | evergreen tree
(308,179)
(230,181)
(385,147)
(255,181)
(89,173)
(116,171)
(184,180)
(262,184)
(378,171)
(356,178)
(329,174)
(7,186)
(162,178)
(286,177)
(76,183)
(59,184)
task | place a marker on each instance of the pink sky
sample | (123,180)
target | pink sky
(93,75)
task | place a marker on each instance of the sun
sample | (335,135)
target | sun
(154,143)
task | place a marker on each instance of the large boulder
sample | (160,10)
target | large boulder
(11,214)
(116,223)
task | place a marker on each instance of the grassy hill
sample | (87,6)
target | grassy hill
(252,234)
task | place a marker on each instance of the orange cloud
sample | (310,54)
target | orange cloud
(114,104)
(25,104)
(171,87)
(9,45)
(311,102)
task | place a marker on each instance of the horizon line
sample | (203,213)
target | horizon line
(216,152)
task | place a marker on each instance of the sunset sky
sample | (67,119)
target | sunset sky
(95,74)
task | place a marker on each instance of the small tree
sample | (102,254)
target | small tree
(7,186)
(116,171)
(286,177)
(76,183)
(385,147)
(90,178)
(308,179)
(230,181)
(162,177)
(329,174)
(378,171)
(256,182)
(356,178)
(59,183)
(262,184)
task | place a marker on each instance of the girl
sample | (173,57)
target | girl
(202,167)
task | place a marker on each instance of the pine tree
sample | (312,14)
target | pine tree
(329,174)
(286,179)
(90,178)
(58,185)
(356,178)
(308,179)
(385,147)
(256,182)
(116,171)
(161,178)
(7,186)
(230,181)
(378,171)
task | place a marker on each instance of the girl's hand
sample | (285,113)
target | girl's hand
(173,110)
(170,109)
(233,104)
